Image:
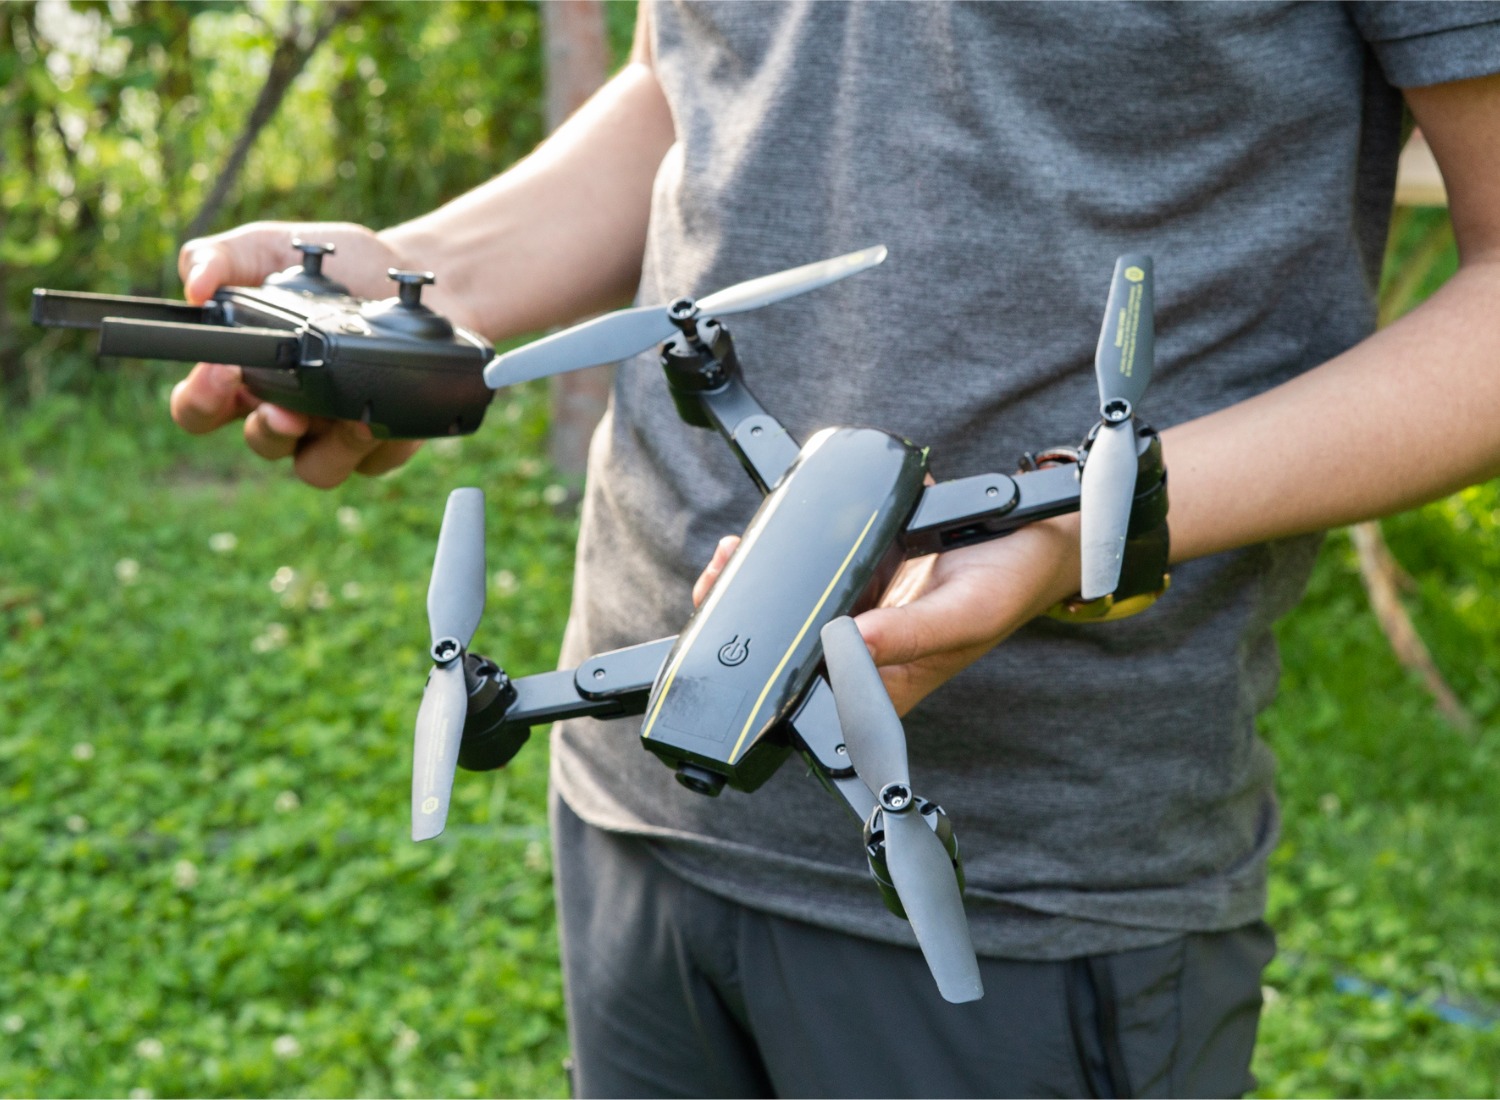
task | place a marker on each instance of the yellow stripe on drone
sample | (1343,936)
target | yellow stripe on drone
(785,657)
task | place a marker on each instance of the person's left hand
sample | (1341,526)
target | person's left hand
(945,611)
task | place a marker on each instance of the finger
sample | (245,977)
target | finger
(722,553)
(240,257)
(943,621)
(387,456)
(273,432)
(209,397)
(328,455)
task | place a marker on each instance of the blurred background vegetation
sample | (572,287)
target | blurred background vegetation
(208,673)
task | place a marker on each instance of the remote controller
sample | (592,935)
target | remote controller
(306,344)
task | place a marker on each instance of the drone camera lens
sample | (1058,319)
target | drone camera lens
(700,780)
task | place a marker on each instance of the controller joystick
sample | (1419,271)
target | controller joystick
(405,313)
(309,278)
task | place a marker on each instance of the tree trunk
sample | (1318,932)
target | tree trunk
(577,56)
(293,52)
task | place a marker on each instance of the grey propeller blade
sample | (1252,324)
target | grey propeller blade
(606,339)
(873,733)
(1104,501)
(769,289)
(920,867)
(455,598)
(1127,340)
(923,876)
(625,332)
(440,728)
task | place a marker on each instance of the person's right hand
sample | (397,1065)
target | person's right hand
(324,452)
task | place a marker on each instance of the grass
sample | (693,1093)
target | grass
(208,675)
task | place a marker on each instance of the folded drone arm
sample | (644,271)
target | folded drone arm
(611,685)
(765,449)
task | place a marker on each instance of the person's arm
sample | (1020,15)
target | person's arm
(559,235)
(1404,417)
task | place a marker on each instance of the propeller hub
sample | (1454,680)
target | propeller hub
(446,650)
(896,798)
(1116,411)
(684,314)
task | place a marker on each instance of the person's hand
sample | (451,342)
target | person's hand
(945,611)
(324,452)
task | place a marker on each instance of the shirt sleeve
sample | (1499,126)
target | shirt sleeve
(1418,43)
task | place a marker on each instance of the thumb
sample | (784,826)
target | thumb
(241,257)
(894,635)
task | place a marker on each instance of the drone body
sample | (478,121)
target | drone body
(770,663)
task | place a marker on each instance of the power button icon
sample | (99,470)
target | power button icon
(734,651)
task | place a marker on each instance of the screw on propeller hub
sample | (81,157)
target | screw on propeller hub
(626,332)
(920,867)
(455,603)
(1122,369)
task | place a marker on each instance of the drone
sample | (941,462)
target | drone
(771,663)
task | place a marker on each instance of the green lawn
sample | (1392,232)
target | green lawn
(208,675)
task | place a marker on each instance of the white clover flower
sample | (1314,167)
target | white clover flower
(150,1049)
(350,519)
(352,590)
(406,1039)
(77,823)
(83,751)
(554,494)
(13,1023)
(274,636)
(320,599)
(141,1094)
(287,801)
(448,447)
(127,570)
(505,582)
(223,542)
(286,1046)
(283,579)
(184,874)
(1330,804)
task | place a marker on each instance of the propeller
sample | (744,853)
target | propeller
(621,334)
(919,864)
(455,602)
(1122,366)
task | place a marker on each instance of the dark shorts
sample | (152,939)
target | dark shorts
(675,991)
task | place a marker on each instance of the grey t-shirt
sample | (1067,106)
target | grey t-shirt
(1106,782)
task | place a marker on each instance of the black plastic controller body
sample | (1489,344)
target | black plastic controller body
(304,343)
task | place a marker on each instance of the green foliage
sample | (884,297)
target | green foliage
(116,121)
(1387,872)
(208,676)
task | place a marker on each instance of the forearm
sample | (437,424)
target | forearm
(561,234)
(1405,417)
